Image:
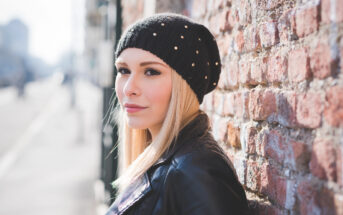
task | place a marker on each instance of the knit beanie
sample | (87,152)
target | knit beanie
(187,47)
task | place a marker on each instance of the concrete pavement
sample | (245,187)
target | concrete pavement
(49,159)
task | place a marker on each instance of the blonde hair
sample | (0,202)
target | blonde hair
(137,152)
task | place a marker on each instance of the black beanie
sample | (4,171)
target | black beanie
(187,47)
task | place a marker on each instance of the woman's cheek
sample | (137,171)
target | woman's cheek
(119,88)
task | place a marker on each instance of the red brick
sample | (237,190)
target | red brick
(242,105)
(298,65)
(286,114)
(285,25)
(273,146)
(218,101)
(222,83)
(224,45)
(277,69)
(259,71)
(268,34)
(276,187)
(213,24)
(268,4)
(251,38)
(244,12)
(228,108)
(339,11)
(333,113)
(309,110)
(323,160)
(233,134)
(244,72)
(219,128)
(315,199)
(261,104)
(339,203)
(324,198)
(198,9)
(250,138)
(233,17)
(233,74)
(339,165)
(224,24)
(299,154)
(239,41)
(321,61)
(306,20)
(253,175)
(306,197)
(263,209)
(325,11)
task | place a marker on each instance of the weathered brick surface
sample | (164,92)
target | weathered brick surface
(333,112)
(321,61)
(233,133)
(323,160)
(268,34)
(277,68)
(298,65)
(278,106)
(306,20)
(286,102)
(261,104)
(309,110)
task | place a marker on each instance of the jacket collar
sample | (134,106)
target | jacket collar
(133,193)
(140,187)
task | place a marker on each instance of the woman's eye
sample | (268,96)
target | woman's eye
(150,72)
(123,71)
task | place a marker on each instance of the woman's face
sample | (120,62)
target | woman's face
(143,86)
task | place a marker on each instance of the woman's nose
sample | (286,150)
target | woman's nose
(131,87)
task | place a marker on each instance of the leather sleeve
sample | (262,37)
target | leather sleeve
(198,186)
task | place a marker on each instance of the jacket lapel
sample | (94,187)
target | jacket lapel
(136,191)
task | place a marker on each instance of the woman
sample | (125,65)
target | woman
(169,161)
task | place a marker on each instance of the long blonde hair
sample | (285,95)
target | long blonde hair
(137,152)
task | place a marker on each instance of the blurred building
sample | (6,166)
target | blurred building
(16,65)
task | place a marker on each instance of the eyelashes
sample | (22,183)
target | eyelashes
(147,71)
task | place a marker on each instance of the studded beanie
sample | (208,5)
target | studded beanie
(186,46)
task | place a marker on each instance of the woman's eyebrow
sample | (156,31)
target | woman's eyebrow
(141,64)
(152,62)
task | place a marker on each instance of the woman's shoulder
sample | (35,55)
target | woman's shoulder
(203,154)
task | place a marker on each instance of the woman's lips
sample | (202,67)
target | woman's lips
(132,108)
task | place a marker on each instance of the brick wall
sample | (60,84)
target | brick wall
(278,110)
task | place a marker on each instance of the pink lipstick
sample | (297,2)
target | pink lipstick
(132,108)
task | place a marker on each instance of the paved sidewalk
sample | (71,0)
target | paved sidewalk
(55,161)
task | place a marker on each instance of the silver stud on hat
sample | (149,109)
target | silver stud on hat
(197,51)
(186,26)
(199,39)
(182,36)
(154,34)
(205,76)
(193,64)
(214,84)
(175,47)
(162,24)
(217,63)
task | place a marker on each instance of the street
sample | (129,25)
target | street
(49,151)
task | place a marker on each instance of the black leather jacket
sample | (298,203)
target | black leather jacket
(194,177)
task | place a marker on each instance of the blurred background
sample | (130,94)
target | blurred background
(56,84)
